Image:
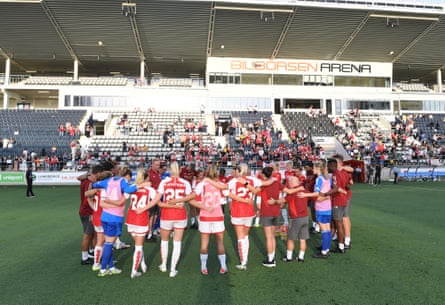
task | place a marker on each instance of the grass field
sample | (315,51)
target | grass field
(396,257)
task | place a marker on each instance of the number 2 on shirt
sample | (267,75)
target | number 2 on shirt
(243,192)
(170,194)
(135,203)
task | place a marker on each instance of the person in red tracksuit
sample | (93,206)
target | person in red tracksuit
(270,214)
(340,181)
(298,219)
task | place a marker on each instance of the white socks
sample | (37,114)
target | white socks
(271,256)
(203,258)
(289,254)
(175,255)
(137,258)
(222,261)
(164,252)
(243,249)
(221,258)
(97,254)
(301,255)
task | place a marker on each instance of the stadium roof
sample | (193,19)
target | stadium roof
(175,37)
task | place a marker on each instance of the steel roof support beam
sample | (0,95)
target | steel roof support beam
(415,41)
(137,37)
(211,29)
(6,56)
(283,33)
(352,36)
(59,31)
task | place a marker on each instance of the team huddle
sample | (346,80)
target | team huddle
(265,200)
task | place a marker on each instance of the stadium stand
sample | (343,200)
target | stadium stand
(175,82)
(315,124)
(150,134)
(86,81)
(47,80)
(37,130)
(103,81)
(413,87)
(408,139)
(241,122)
(252,137)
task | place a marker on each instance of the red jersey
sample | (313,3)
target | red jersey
(349,194)
(341,179)
(270,192)
(174,188)
(302,179)
(140,199)
(241,209)
(348,189)
(97,209)
(310,182)
(85,209)
(288,174)
(198,196)
(297,206)
(155,178)
(277,176)
(187,174)
(223,180)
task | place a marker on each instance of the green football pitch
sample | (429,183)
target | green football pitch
(397,257)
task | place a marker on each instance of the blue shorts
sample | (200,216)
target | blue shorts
(323,217)
(112,229)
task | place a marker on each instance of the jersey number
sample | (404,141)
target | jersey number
(170,194)
(243,192)
(135,203)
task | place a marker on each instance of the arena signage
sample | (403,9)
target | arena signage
(57,178)
(12,178)
(308,67)
(41,178)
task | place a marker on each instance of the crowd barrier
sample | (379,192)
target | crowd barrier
(41,178)
(431,173)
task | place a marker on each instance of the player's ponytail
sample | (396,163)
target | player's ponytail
(141,176)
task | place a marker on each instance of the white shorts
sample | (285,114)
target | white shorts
(137,230)
(211,227)
(98,229)
(173,224)
(242,221)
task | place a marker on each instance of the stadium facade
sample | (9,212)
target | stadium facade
(286,55)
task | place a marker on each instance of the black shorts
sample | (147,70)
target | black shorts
(87,225)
